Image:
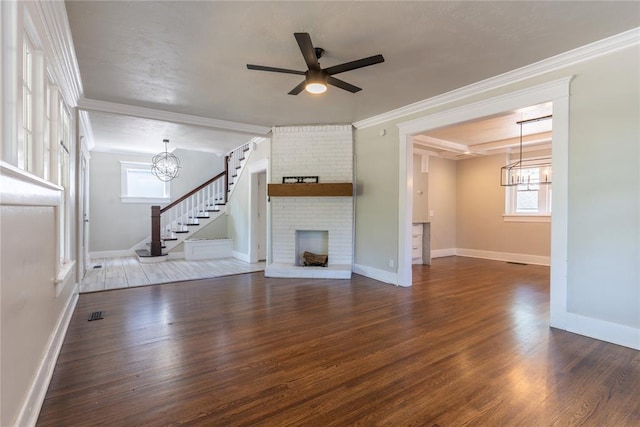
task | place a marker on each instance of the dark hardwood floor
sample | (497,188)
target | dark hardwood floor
(468,344)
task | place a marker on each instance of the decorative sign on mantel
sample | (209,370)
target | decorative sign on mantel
(300,180)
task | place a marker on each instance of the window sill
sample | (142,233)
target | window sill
(125,199)
(527,218)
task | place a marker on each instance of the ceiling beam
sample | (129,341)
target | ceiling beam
(536,139)
(441,144)
(168,116)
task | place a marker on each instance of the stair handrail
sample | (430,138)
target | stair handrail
(156,211)
(192,192)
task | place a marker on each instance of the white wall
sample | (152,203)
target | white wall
(119,226)
(326,152)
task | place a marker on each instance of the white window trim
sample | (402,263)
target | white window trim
(510,215)
(527,217)
(124,198)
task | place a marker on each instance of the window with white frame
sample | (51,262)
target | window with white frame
(64,180)
(139,185)
(531,198)
(25,150)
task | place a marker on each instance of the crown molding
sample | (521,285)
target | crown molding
(59,48)
(168,116)
(566,59)
(85,122)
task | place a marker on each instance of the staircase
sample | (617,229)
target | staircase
(188,214)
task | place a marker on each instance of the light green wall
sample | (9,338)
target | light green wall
(604,186)
(420,191)
(376,161)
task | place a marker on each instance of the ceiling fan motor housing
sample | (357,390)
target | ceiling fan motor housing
(316,76)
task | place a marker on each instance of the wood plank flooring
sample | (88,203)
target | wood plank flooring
(127,272)
(468,344)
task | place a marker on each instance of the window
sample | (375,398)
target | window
(529,201)
(139,185)
(25,151)
(64,180)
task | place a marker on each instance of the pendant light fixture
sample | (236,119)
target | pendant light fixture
(527,172)
(165,166)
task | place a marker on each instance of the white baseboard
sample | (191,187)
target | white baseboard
(241,256)
(32,404)
(175,255)
(111,254)
(603,330)
(376,273)
(440,253)
(505,256)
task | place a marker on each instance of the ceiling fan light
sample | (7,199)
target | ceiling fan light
(316,87)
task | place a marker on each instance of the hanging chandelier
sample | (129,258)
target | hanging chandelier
(165,166)
(527,172)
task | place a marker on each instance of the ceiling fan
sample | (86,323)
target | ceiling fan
(316,78)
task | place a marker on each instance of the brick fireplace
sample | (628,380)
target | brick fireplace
(326,152)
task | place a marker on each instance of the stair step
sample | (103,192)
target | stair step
(167,239)
(181,232)
(161,247)
(145,253)
(245,149)
(238,167)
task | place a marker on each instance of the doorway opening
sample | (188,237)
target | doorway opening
(557,92)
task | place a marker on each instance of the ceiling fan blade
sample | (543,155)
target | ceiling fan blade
(359,63)
(306,47)
(343,85)
(296,90)
(274,69)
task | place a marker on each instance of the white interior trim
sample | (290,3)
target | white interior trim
(58,47)
(168,116)
(603,330)
(111,254)
(575,56)
(28,414)
(556,91)
(526,218)
(241,256)
(440,253)
(504,256)
(376,274)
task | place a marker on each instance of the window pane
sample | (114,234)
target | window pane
(142,183)
(527,201)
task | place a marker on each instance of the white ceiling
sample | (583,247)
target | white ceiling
(190,57)
(492,135)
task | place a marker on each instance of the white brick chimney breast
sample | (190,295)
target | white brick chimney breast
(326,152)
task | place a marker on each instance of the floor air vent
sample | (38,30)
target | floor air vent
(96,315)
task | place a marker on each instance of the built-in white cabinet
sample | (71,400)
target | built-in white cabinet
(421,243)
